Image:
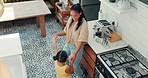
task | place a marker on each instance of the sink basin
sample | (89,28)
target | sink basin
(4,70)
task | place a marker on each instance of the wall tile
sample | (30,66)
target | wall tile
(133,27)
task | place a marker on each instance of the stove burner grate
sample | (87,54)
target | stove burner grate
(130,71)
(112,59)
(124,64)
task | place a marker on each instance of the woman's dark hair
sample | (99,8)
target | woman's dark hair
(61,56)
(77,8)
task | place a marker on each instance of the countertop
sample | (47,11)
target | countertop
(99,48)
(10,45)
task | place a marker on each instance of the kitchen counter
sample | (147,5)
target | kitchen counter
(99,48)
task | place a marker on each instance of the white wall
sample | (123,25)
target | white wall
(132,26)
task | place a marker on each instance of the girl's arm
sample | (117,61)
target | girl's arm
(54,44)
(54,40)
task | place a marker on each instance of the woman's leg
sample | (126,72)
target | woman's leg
(76,65)
(70,49)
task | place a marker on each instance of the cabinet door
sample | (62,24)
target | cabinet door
(86,65)
(90,52)
(89,60)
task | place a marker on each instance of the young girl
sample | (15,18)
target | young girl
(62,69)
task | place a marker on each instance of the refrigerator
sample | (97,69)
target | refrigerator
(90,8)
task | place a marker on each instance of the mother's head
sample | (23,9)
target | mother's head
(77,14)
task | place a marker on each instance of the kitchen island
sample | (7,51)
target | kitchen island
(10,53)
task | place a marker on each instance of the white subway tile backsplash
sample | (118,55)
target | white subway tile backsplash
(143,29)
(133,27)
(128,36)
(140,48)
(136,36)
(140,18)
(144,41)
(125,18)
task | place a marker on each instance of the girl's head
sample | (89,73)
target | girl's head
(61,56)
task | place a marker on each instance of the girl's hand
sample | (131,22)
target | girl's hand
(73,58)
(54,36)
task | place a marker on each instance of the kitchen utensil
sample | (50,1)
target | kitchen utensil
(113,35)
(99,34)
(123,4)
(110,30)
(112,1)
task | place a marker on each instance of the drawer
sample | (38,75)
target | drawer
(90,52)
(89,60)
(87,67)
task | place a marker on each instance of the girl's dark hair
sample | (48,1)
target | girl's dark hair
(77,8)
(61,56)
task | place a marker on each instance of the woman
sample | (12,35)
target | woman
(76,32)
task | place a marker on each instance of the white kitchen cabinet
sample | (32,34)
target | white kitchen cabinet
(10,52)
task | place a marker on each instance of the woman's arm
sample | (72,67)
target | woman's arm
(61,33)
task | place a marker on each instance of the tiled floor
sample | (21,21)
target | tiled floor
(37,51)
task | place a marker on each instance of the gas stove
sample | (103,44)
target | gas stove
(121,63)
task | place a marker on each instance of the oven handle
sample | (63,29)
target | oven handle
(97,73)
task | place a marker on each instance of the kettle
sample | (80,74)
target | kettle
(123,4)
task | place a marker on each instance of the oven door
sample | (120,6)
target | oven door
(97,73)
(102,69)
